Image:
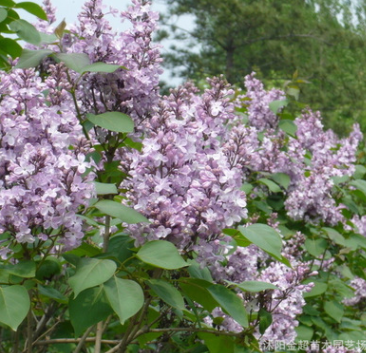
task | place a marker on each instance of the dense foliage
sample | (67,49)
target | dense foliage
(135,222)
(313,49)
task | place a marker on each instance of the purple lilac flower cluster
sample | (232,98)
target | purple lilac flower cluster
(182,180)
(42,181)
(133,89)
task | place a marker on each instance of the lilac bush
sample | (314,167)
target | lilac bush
(196,218)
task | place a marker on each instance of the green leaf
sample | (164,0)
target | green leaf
(105,188)
(7,3)
(89,308)
(101,67)
(335,236)
(230,303)
(334,309)
(161,253)
(273,187)
(59,30)
(3,14)
(359,185)
(316,247)
(265,237)
(49,267)
(276,105)
(125,297)
(24,269)
(113,121)
(318,289)
(31,58)
(196,271)
(14,305)
(288,126)
(25,31)
(265,320)
(167,292)
(196,290)
(32,8)
(304,333)
(124,213)
(90,273)
(48,38)
(253,286)
(281,179)
(74,61)
(217,343)
(11,47)
(52,293)
(119,247)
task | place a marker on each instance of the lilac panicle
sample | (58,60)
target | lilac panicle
(41,179)
(182,181)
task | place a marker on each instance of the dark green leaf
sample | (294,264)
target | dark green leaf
(281,179)
(7,3)
(304,333)
(196,290)
(196,271)
(161,253)
(316,247)
(119,247)
(74,61)
(11,47)
(113,121)
(275,106)
(359,185)
(32,8)
(88,308)
(125,297)
(317,290)
(124,213)
(334,309)
(52,293)
(273,187)
(25,31)
(335,236)
(265,320)
(253,286)
(167,292)
(288,126)
(217,343)
(230,303)
(90,273)
(3,14)
(24,269)
(265,237)
(32,58)
(48,38)
(101,67)
(105,188)
(14,305)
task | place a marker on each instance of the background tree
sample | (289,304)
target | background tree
(321,41)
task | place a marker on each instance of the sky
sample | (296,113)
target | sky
(69,9)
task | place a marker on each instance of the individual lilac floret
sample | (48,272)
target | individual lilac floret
(41,180)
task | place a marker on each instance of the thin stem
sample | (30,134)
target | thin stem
(106,233)
(83,339)
(29,341)
(98,338)
(72,340)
